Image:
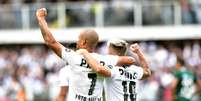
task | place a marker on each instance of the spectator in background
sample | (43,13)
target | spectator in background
(17,6)
(198,74)
(152,87)
(122,10)
(15,90)
(183,85)
(188,15)
(64,74)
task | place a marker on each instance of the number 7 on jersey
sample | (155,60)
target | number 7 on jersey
(92,76)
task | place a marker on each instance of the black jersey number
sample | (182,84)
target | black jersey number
(131,87)
(92,76)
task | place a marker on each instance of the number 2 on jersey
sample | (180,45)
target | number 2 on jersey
(131,89)
(92,76)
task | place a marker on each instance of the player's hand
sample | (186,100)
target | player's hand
(82,51)
(135,48)
(41,13)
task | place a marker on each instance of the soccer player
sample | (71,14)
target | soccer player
(185,82)
(85,85)
(64,75)
(121,81)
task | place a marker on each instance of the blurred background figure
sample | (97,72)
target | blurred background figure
(184,83)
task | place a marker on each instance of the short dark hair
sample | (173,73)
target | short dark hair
(180,61)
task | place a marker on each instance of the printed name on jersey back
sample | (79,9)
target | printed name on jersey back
(84,63)
(126,75)
(84,98)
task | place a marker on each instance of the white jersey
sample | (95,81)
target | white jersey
(64,75)
(122,85)
(85,84)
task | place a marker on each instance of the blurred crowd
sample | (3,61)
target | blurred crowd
(164,14)
(34,1)
(86,13)
(31,71)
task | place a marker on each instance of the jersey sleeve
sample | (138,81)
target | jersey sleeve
(111,59)
(136,71)
(112,70)
(68,55)
(64,76)
(176,74)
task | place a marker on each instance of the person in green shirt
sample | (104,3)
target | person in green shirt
(184,83)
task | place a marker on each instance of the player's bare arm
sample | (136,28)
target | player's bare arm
(62,94)
(125,60)
(173,87)
(47,35)
(136,49)
(198,86)
(94,64)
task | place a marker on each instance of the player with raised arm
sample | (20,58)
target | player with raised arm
(85,85)
(121,81)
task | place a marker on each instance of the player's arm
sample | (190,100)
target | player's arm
(63,83)
(62,93)
(198,85)
(94,64)
(174,87)
(125,60)
(146,71)
(47,35)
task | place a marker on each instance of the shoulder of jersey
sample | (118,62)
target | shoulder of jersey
(103,55)
(133,66)
(65,68)
(97,55)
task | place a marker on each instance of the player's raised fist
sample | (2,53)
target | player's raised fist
(41,13)
(135,47)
